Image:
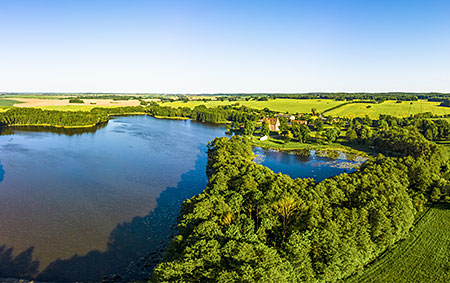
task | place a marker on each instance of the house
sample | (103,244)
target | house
(273,123)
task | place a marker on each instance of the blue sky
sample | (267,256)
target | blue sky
(224,46)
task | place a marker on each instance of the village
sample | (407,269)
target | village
(282,127)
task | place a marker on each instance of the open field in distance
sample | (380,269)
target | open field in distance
(331,107)
(351,110)
(63,104)
(282,105)
(393,108)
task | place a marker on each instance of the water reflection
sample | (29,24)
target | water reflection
(142,237)
(303,165)
(56,130)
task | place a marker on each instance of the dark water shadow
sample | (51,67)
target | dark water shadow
(20,266)
(49,129)
(2,172)
(134,247)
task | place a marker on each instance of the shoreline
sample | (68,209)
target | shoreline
(303,149)
(110,116)
(53,126)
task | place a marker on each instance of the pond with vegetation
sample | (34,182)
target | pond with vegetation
(82,204)
(309,164)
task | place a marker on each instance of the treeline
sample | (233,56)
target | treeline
(350,96)
(379,97)
(253,225)
(112,96)
(117,111)
(341,96)
(220,114)
(36,117)
(405,96)
(445,102)
(434,129)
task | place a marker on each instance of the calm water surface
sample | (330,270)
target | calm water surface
(84,205)
(313,166)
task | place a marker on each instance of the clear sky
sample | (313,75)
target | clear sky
(224,46)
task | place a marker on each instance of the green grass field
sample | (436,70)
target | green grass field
(8,102)
(403,109)
(282,105)
(352,110)
(423,257)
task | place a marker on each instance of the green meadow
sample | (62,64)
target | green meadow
(403,109)
(282,105)
(8,102)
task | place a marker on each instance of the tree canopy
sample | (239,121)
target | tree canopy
(252,225)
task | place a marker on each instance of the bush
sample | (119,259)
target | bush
(76,100)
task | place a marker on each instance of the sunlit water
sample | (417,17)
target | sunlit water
(79,206)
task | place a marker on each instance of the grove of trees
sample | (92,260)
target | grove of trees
(253,225)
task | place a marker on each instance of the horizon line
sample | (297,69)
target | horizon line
(226,93)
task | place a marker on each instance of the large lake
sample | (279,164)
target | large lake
(79,206)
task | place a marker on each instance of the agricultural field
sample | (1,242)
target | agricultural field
(65,105)
(282,105)
(74,107)
(8,102)
(422,257)
(331,107)
(351,110)
(393,108)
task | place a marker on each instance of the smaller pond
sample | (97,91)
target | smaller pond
(300,166)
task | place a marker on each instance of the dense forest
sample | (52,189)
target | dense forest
(38,117)
(252,225)
(432,128)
